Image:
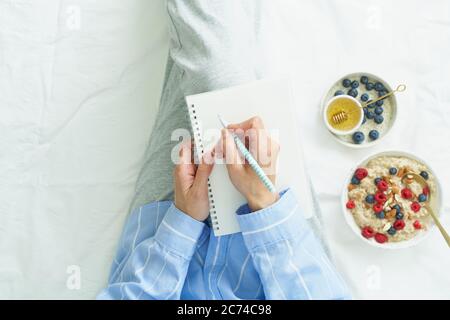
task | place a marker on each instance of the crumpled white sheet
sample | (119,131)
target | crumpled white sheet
(80,82)
(77,104)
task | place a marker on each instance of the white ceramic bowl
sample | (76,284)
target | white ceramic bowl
(436,204)
(325,115)
(345,140)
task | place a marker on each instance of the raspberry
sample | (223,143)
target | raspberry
(406,193)
(361,173)
(381,238)
(399,224)
(367,232)
(415,206)
(380,197)
(377,207)
(417,225)
(382,185)
(350,204)
(426,191)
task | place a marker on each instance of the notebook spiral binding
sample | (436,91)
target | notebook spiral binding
(200,147)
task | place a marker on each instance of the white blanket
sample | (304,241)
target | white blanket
(79,87)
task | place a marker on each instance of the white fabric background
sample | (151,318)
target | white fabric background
(79,87)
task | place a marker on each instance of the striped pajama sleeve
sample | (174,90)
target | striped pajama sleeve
(289,259)
(157,266)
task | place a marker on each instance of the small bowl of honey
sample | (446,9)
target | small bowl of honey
(343,115)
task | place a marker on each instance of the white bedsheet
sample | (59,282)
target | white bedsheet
(80,82)
(79,86)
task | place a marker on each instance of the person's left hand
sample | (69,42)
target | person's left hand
(191,184)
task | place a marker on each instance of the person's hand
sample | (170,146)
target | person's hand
(263,149)
(191,184)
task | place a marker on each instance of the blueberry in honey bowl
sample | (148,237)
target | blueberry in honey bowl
(369,86)
(374,134)
(355,84)
(379,86)
(338,93)
(370,115)
(378,110)
(364,97)
(358,137)
(378,119)
(364,80)
(346,83)
(379,103)
(353,93)
(382,93)
(370,105)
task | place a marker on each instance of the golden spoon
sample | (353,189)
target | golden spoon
(342,116)
(419,179)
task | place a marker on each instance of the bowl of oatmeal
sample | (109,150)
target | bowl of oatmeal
(383,203)
(379,117)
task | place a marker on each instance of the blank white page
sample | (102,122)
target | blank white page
(270,99)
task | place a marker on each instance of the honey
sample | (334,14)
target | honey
(352,110)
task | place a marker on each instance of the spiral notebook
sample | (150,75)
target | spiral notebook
(270,99)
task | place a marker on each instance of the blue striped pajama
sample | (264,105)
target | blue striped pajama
(165,254)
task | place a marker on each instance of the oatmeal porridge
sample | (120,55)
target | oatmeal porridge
(387,203)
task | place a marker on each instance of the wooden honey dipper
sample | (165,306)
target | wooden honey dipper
(342,116)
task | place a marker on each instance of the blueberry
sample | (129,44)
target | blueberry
(396,207)
(355,180)
(393,171)
(346,83)
(364,97)
(379,86)
(379,103)
(399,216)
(339,93)
(370,115)
(358,137)
(355,84)
(422,198)
(364,120)
(377,180)
(364,79)
(380,215)
(370,86)
(392,231)
(424,175)
(374,134)
(370,198)
(378,110)
(382,93)
(365,110)
(378,119)
(353,93)
(370,105)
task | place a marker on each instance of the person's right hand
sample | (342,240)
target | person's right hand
(263,149)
